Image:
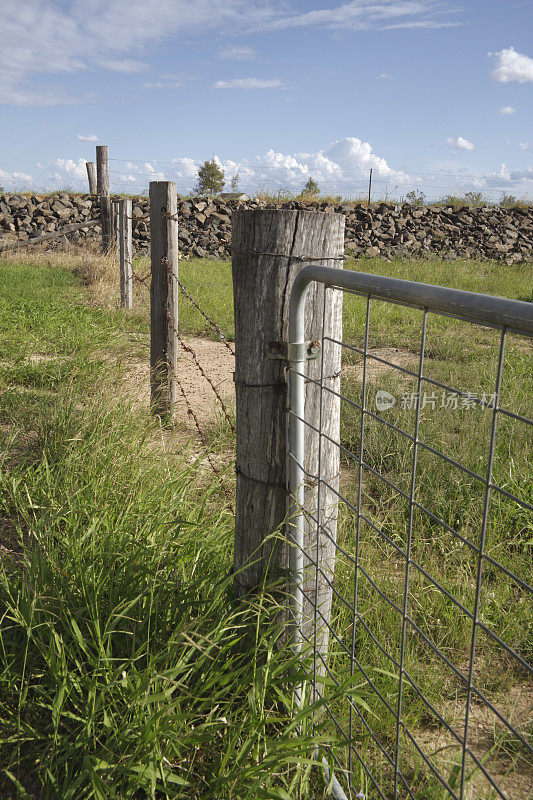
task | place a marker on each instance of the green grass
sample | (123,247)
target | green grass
(127,668)
(210,284)
(464,357)
(126,554)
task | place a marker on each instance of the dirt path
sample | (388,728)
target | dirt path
(218,364)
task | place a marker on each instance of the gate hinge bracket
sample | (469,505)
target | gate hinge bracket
(293,351)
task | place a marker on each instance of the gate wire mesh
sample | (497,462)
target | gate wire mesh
(430,597)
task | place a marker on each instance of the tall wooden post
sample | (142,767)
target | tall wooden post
(102,181)
(91,175)
(262,283)
(163,296)
(125,252)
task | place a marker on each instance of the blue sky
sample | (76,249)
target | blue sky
(433,95)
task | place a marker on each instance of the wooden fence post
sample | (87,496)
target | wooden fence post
(125,251)
(114,222)
(262,283)
(91,175)
(163,296)
(102,180)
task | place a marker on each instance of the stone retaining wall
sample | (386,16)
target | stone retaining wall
(385,229)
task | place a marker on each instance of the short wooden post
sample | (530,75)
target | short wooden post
(91,175)
(125,252)
(102,180)
(262,283)
(163,296)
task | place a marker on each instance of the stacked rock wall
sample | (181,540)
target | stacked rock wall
(385,230)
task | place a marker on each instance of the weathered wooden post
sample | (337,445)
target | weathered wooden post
(114,223)
(91,175)
(163,296)
(125,252)
(102,181)
(268,250)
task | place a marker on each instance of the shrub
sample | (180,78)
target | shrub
(415,197)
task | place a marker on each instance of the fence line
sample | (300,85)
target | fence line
(315,494)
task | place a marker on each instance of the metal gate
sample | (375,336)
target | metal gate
(408,560)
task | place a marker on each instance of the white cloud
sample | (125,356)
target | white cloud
(125,65)
(340,168)
(459,143)
(17,176)
(166,82)
(510,179)
(237,52)
(70,168)
(512,66)
(41,37)
(507,110)
(357,15)
(524,145)
(343,166)
(250,83)
(385,76)
(428,24)
(44,37)
(90,138)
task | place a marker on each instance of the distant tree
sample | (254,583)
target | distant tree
(210,178)
(311,188)
(415,197)
(234,185)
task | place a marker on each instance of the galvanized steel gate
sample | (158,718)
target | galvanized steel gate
(388,568)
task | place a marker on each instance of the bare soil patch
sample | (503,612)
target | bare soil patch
(511,771)
(218,364)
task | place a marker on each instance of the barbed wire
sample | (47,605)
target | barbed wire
(141,279)
(463,181)
(475,182)
(266,168)
(211,322)
(191,414)
(194,357)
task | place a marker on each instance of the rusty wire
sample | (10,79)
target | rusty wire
(211,322)
(140,279)
(194,357)
(202,437)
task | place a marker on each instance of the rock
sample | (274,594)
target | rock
(387,229)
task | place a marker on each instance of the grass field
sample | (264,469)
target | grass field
(126,669)
(124,672)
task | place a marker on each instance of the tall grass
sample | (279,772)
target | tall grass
(127,667)
(126,671)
